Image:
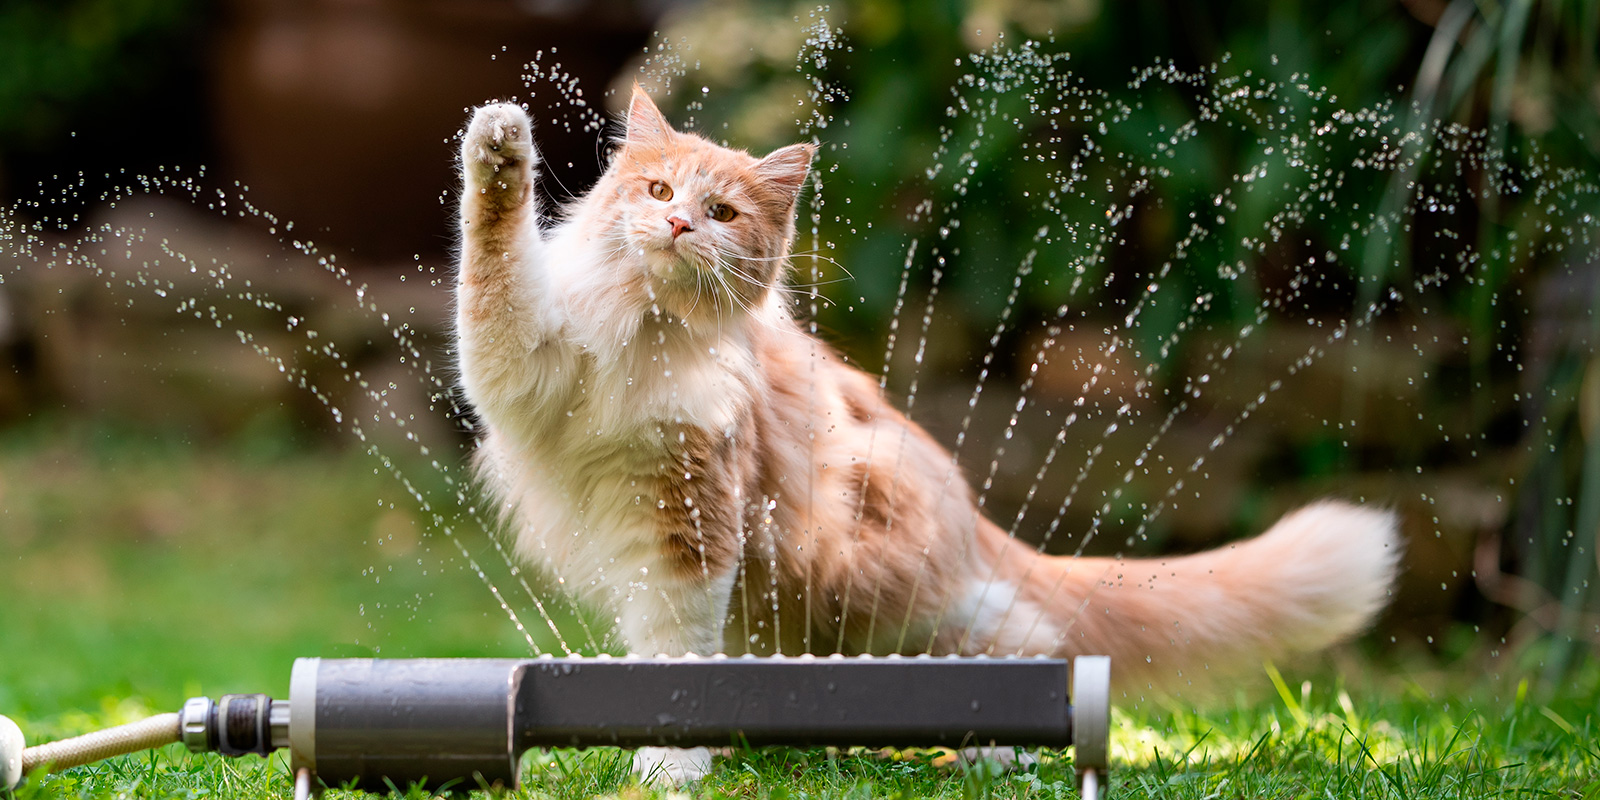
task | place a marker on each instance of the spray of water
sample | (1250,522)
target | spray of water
(1132,349)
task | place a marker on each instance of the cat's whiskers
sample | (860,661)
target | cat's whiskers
(725,256)
(701,270)
(741,275)
(777,284)
(724,262)
(819,284)
(733,295)
(698,287)
(724,265)
(716,301)
(812,254)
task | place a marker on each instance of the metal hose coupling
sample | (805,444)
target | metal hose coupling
(234,725)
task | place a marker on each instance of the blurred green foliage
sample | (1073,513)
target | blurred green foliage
(1525,72)
(108,67)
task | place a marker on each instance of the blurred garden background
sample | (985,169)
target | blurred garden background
(1259,252)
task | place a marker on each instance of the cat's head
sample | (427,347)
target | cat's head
(707,227)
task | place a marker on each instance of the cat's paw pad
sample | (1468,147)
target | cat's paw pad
(671,766)
(499,134)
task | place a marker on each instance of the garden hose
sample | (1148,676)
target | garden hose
(157,731)
(235,725)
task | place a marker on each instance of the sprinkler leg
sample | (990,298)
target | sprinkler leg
(1089,785)
(302,784)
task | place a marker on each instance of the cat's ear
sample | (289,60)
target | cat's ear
(786,168)
(646,125)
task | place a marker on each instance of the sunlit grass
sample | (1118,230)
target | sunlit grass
(1472,735)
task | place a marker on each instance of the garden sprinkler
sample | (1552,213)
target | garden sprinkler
(464,724)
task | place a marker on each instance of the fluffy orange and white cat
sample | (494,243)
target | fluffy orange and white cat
(673,447)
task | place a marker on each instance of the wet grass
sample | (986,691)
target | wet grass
(138,572)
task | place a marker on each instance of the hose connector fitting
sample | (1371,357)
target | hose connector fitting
(234,725)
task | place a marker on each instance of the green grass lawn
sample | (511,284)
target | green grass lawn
(1326,743)
(138,571)
(136,566)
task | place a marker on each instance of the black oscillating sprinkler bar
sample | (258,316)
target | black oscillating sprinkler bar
(465,723)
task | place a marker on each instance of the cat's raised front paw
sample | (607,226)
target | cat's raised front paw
(671,765)
(500,135)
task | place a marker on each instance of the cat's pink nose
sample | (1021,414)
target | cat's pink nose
(679,225)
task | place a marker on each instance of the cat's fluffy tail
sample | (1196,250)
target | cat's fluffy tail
(1318,576)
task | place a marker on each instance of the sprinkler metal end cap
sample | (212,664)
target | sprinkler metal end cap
(11,746)
(1091,713)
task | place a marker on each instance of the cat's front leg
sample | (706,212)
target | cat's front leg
(508,318)
(674,620)
(671,766)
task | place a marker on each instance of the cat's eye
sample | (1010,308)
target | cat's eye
(660,191)
(722,213)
